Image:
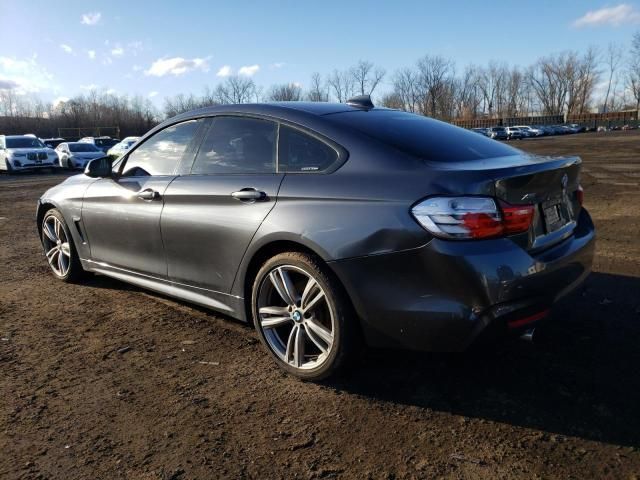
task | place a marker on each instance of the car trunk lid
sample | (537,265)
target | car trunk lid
(548,183)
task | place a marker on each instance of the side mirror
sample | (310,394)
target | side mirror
(99,168)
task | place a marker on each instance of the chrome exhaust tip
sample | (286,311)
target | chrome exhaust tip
(528,335)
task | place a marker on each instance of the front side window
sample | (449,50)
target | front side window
(299,152)
(237,145)
(161,154)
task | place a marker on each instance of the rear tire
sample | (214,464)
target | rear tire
(59,248)
(303,317)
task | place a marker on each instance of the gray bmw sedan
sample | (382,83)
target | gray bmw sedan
(329,226)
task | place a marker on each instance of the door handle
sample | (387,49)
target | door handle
(148,194)
(249,194)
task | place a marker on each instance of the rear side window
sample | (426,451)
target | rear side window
(299,152)
(161,153)
(237,145)
(423,137)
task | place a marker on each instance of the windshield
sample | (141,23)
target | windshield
(24,142)
(422,136)
(83,147)
(105,142)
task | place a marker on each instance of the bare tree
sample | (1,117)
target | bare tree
(393,100)
(367,76)
(613,58)
(434,83)
(405,87)
(491,81)
(286,92)
(318,91)
(633,69)
(468,96)
(236,89)
(342,85)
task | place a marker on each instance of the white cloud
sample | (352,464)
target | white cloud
(152,94)
(8,84)
(90,18)
(91,54)
(134,48)
(58,100)
(613,16)
(66,48)
(249,70)
(25,76)
(118,51)
(224,71)
(176,66)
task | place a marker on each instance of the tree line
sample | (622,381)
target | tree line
(570,82)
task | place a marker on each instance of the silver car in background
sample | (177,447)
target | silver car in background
(74,155)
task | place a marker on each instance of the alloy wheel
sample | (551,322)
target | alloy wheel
(296,317)
(56,246)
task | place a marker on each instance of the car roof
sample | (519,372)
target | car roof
(273,108)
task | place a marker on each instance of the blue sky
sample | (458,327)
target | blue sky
(157,49)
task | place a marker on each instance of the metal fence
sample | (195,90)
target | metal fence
(592,120)
(77,133)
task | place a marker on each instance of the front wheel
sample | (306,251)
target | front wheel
(303,316)
(59,248)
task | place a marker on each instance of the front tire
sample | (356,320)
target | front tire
(59,248)
(302,316)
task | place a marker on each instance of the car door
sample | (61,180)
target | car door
(211,214)
(121,215)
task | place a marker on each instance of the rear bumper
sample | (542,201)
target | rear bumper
(444,295)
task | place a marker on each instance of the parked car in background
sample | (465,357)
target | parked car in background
(103,143)
(530,131)
(497,133)
(481,131)
(73,155)
(25,152)
(514,133)
(577,128)
(327,225)
(53,142)
(121,148)
(559,130)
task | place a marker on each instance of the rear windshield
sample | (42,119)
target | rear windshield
(83,147)
(422,136)
(24,142)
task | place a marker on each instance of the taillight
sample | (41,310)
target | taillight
(516,218)
(472,217)
(580,195)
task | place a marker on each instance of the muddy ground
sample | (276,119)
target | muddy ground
(72,406)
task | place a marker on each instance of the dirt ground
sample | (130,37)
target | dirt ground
(104,380)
